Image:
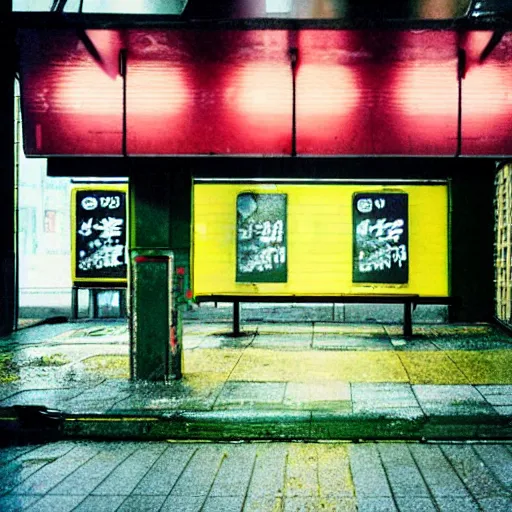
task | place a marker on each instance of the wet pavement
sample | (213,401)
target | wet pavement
(252,477)
(295,381)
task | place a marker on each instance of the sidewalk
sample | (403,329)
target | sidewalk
(305,381)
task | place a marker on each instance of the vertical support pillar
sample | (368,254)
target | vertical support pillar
(160,224)
(8,291)
(407,319)
(236,318)
(74,302)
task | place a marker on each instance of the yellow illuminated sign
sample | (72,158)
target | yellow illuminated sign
(320,239)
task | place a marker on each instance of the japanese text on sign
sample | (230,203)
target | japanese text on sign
(100,236)
(380,238)
(261,237)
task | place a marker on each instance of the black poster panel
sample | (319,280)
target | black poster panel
(100,234)
(380,238)
(261,252)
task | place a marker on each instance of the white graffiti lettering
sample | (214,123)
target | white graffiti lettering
(264,260)
(109,227)
(265,232)
(381,230)
(382,258)
(86,229)
(111,202)
(106,256)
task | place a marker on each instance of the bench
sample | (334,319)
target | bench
(409,301)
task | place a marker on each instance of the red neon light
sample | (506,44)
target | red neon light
(427,89)
(261,90)
(158,88)
(85,90)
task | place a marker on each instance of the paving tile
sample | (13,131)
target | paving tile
(334,476)
(223,504)
(347,342)
(485,367)
(17,471)
(368,472)
(458,400)
(263,504)
(403,474)
(414,504)
(128,474)
(497,395)
(57,503)
(369,396)
(310,394)
(251,393)
(12,452)
(212,360)
(319,365)
(301,471)
(310,504)
(51,398)
(269,470)
(381,504)
(477,478)
(235,472)
(52,474)
(183,504)
(498,460)
(13,503)
(160,479)
(88,476)
(455,504)
(341,328)
(198,476)
(142,503)
(504,410)
(431,368)
(440,477)
(496,504)
(100,503)
(294,341)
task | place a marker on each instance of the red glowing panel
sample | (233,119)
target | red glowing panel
(486,100)
(327,96)
(427,89)
(261,90)
(84,91)
(213,92)
(328,93)
(382,93)
(157,88)
(70,105)
(425,106)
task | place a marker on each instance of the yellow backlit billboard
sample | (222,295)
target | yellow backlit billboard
(320,239)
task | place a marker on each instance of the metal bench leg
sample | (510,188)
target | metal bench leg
(74,303)
(236,318)
(407,319)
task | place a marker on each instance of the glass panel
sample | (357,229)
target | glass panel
(106,6)
(305,9)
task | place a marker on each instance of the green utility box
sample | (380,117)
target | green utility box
(155,321)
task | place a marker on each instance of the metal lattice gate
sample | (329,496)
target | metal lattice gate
(503,244)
